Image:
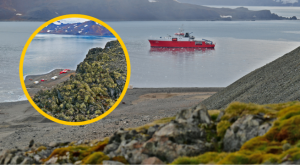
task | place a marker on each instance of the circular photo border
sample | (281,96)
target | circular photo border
(22,76)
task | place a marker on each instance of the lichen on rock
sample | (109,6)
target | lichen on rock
(97,84)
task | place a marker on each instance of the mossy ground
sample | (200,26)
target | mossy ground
(280,143)
(156,122)
(97,84)
(86,153)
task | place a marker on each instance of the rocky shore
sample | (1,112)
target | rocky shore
(238,133)
(218,130)
(242,134)
(20,122)
(94,88)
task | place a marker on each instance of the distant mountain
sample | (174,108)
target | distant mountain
(123,10)
(244,2)
(85,28)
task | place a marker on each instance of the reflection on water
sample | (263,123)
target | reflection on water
(178,54)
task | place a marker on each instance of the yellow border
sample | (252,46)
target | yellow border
(22,77)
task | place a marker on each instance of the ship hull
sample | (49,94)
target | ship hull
(180,44)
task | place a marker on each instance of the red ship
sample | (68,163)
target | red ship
(185,41)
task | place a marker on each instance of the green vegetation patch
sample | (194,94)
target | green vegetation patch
(86,153)
(97,84)
(281,143)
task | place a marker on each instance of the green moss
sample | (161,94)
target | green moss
(88,87)
(222,127)
(206,158)
(279,143)
(95,158)
(82,152)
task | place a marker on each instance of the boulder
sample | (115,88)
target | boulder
(109,162)
(181,133)
(221,114)
(16,159)
(196,115)
(244,129)
(152,160)
(8,158)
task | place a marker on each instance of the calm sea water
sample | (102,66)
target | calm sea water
(241,48)
(51,51)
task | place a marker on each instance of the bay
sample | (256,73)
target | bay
(241,47)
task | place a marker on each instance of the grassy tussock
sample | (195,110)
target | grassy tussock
(214,114)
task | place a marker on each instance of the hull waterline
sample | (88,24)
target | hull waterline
(180,44)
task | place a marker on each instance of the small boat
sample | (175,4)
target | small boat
(54,77)
(186,41)
(64,71)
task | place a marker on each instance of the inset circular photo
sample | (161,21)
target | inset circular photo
(74,69)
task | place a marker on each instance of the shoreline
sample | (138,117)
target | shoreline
(20,122)
(32,88)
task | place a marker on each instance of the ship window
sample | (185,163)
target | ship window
(198,43)
(174,39)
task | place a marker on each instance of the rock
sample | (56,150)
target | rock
(244,129)
(52,160)
(221,114)
(79,142)
(3,155)
(152,129)
(286,146)
(16,159)
(27,160)
(196,115)
(181,133)
(78,162)
(110,147)
(8,158)
(152,160)
(37,158)
(45,153)
(31,143)
(53,144)
(183,115)
(109,162)
(136,157)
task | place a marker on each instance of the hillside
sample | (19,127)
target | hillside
(244,2)
(122,10)
(276,82)
(85,28)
